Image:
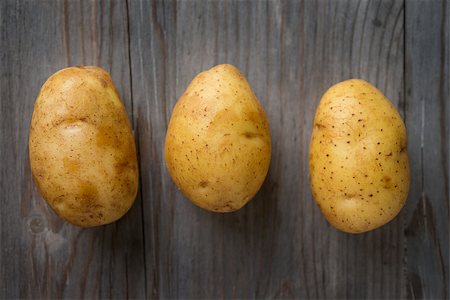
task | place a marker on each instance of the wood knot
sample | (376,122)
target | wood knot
(36,224)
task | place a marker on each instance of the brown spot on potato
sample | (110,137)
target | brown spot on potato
(57,201)
(386,180)
(71,165)
(121,165)
(320,126)
(250,135)
(88,194)
(203,183)
(105,137)
(103,82)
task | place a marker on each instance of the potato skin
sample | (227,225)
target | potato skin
(359,170)
(218,146)
(81,147)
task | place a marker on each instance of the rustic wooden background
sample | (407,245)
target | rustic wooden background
(279,245)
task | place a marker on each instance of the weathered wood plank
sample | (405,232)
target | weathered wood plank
(279,245)
(42,256)
(427,60)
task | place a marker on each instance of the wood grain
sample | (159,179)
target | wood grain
(427,118)
(279,245)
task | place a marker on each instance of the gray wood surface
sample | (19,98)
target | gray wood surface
(279,245)
(427,107)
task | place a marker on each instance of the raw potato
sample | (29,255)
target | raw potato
(82,151)
(358,162)
(218,145)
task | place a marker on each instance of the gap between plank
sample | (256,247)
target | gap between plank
(404,223)
(138,145)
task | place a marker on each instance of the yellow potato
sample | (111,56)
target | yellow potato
(218,145)
(358,162)
(81,147)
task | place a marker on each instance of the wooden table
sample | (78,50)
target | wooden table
(279,245)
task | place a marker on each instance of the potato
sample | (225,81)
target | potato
(218,147)
(359,171)
(81,147)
